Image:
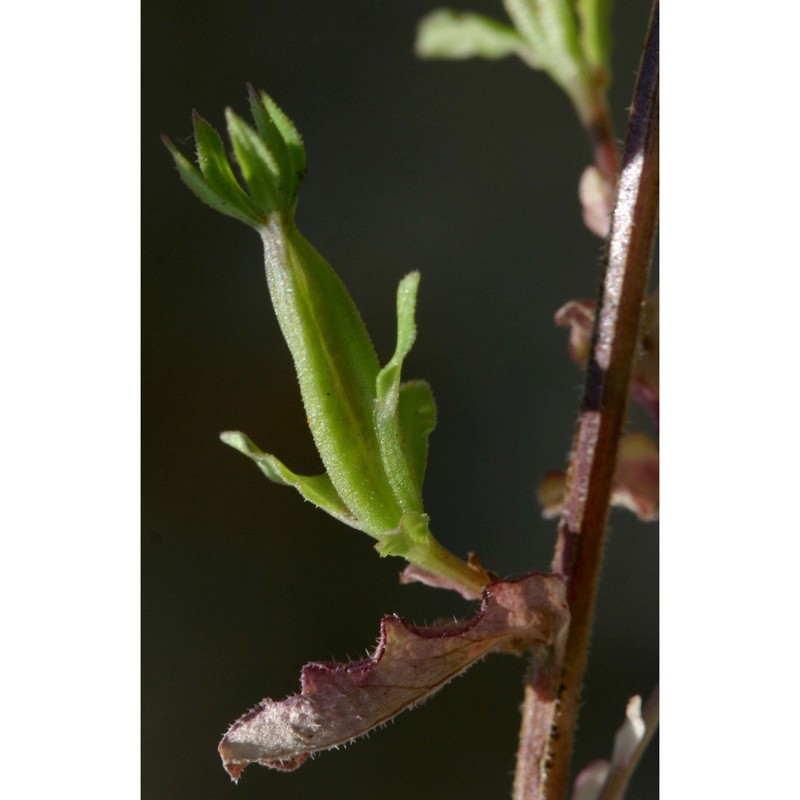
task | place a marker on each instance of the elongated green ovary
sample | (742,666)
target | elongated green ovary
(336,367)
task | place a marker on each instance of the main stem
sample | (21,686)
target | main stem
(551,703)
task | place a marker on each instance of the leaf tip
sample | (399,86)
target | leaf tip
(235,439)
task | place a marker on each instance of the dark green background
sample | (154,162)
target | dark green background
(468,172)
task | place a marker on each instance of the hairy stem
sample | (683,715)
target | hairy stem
(538,719)
(543,771)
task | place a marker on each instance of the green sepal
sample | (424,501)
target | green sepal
(217,170)
(317,489)
(199,186)
(259,167)
(453,34)
(271,159)
(411,539)
(295,152)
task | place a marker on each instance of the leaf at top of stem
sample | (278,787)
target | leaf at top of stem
(568,39)
(453,34)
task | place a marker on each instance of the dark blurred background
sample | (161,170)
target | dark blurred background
(468,172)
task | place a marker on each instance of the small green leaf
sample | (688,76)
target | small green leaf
(317,489)
(453,34)
(411,537)
(394,449)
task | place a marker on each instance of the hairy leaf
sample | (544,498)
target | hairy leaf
(578,315)
(635,485)
(401,468)
(340,702)
(317,489)
(608,780)
(597,201)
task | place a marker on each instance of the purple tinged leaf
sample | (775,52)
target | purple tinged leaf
(608,780)
(597,201)
(629,735)
(636,479)
(340,702)
(578,316)
(590,780)
(646,375)
(635,485)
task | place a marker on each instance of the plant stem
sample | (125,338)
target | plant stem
(538,719)
(543,771)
